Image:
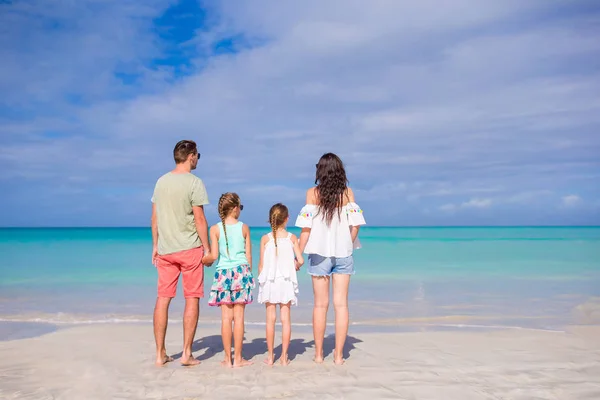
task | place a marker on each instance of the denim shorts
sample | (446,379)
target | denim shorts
(325,266)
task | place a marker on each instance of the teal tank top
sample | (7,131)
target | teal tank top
(237,246)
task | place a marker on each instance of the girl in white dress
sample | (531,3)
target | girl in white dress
(280,258)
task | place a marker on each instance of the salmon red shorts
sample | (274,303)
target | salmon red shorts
(187,263)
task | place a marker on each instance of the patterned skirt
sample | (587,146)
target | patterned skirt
(232,286)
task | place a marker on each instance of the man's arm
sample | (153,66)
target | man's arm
(212,255)
(201,227)
(154,225)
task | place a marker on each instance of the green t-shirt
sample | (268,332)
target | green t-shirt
(174,197)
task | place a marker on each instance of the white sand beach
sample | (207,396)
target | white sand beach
(115,362)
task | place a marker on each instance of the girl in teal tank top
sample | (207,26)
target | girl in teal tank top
(233,281)
(232,246)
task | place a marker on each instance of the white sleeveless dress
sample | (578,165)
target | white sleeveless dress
(278,282)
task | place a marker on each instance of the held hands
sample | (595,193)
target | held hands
(297,264)
(208,259)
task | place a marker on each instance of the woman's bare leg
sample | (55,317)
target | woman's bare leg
(341,282)
(321,294)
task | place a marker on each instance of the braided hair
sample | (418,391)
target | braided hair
(277,216)
(227,202)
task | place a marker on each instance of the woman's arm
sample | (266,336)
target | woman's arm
(246,233)
(311,198)
(297,252)
(304,235)
(353,229)
(354,232)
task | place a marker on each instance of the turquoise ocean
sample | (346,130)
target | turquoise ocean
(406,278)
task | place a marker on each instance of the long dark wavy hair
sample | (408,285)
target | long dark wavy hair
(331,184)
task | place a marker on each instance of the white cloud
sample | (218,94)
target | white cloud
(477,203)
(571,200)
(448,207)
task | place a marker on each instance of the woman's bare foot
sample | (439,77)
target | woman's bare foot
(162,360)
(226,363)
(241,363)
(318,359)
(285,361)
(269,360)
(338,358)
(189,361)
(339,361)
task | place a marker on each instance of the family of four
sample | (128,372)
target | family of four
(330,221)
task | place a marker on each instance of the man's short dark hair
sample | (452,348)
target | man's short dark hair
(183,149)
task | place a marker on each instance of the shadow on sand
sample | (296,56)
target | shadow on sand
(213,346)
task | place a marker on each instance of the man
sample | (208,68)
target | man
(180,242)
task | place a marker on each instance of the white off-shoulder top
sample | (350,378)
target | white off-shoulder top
(333,240)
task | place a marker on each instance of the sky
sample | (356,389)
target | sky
(454,112)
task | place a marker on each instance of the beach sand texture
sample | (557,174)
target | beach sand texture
(115,362)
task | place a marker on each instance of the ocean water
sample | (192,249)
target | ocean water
(406,278)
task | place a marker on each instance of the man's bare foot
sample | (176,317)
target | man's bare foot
(269,360)
(241,363)
(226,364)
(162,360)
(285,361)
(189,361)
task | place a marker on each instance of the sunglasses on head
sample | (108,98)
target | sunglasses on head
(241,207)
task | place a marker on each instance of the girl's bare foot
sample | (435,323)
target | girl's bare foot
(189,361)
(269,360)
(339,361)
(162,360)
(318,359)
(285,361)
(226,363)
(241,363)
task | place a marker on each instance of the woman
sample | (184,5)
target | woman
(330,221)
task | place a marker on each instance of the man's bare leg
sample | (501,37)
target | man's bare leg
(161,317)
(190,322)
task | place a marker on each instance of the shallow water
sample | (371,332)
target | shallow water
(407,278)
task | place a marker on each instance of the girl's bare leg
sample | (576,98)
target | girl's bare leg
(238,336)
(226,321)
(321,294)
(340,305)
(271,319)
(286,329)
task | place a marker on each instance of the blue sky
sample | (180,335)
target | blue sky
(458,112)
